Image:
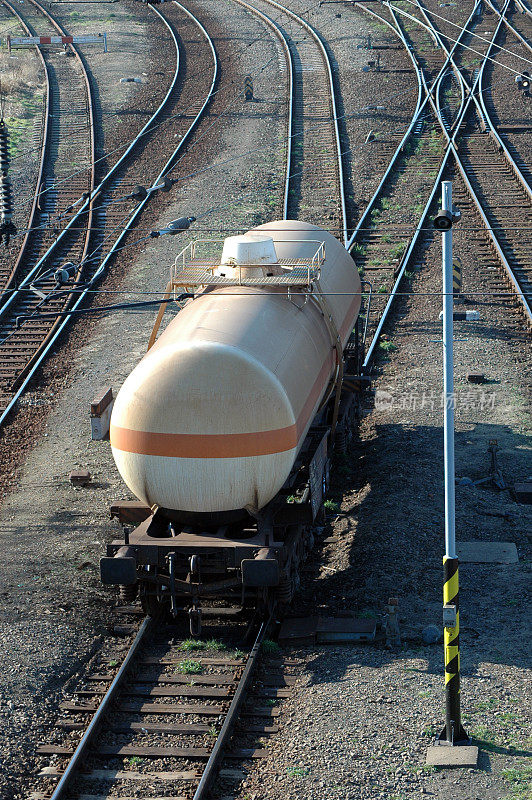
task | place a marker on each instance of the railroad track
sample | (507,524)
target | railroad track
(496,186)
(158,680)
(387,242)
(168,703)
(68,145)
(68,171)
(31,321)
(9,268)
(314,187)
(452,122)
(491,175)
(513,133)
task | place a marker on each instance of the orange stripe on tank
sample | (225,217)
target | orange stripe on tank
(227,445)
(204,445)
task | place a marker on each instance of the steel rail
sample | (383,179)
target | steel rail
(231,716)
(404,262)
(524,7)
(62,787)
(437,38)
(107,177)
(64,320)
(290,65)
(173,158)
(421,222)
(479,102)
(464,85)
(86,237)
(420,108)
(512,28)
(92,134)
(493,129)
(44,149)
(445,160)
(485,114)
(332,96)
(479,206)
(176,153)
(420,104)
(480,210)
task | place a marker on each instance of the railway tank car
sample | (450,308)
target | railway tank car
(222,430)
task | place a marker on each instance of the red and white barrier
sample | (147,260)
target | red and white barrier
(29,41)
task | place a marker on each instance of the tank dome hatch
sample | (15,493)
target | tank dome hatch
(249,256)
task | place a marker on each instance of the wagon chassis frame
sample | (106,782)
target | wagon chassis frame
(180,559)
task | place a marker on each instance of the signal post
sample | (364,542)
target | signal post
(453,746)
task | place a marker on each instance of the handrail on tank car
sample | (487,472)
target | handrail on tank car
(181,262)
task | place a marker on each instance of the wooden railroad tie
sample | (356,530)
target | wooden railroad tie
(106,751)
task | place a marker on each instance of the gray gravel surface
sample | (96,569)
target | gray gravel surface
(54,611)
(359,720)
(358,725)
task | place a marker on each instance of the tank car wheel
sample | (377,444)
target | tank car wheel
(150,604)
(266,602)
(194,616)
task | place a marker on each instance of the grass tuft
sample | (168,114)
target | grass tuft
(192,644)
(297,772)
(270,647)
(214,644)
(189,667)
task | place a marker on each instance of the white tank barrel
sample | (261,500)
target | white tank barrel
(213,416)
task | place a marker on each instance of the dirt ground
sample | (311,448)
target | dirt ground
(359,721)
(54,612)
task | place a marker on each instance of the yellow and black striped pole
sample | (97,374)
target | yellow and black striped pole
(457,277)
(453,733)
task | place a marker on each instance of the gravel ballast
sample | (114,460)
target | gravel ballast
(360,718)
(54,611)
